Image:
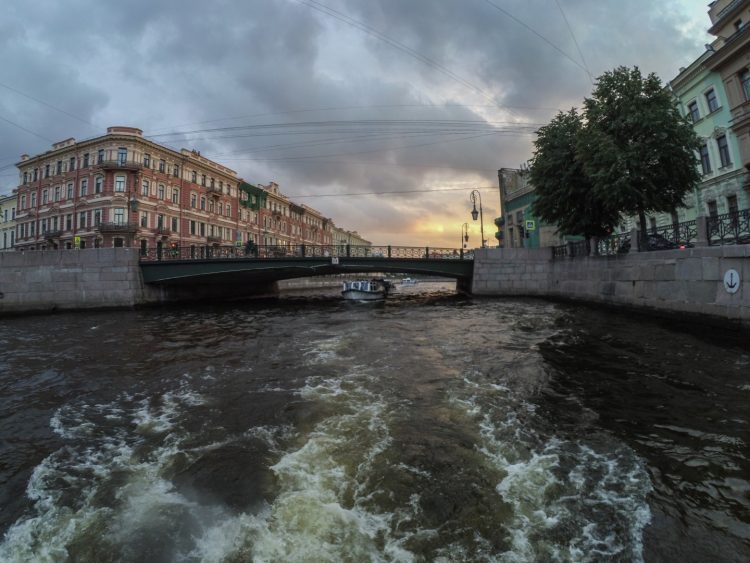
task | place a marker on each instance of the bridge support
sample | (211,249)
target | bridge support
(463,285)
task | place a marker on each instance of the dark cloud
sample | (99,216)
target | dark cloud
(192,65)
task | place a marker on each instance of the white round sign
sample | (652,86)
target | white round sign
(732,281)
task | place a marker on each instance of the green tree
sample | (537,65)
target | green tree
(636,148)
(565,196)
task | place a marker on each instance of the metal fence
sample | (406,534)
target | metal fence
(729,228)
(195,252)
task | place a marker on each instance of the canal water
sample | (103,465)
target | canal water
(431,427)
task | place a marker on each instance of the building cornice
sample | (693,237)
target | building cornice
(182,155)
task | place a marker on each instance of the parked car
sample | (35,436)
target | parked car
(655,242)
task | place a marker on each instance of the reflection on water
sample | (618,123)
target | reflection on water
(428,427)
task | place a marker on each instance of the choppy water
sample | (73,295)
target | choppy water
(431,427)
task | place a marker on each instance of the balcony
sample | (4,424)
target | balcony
(49,235)
(211,239)
(214,190)
(120,165)
(162,231)
(117,227)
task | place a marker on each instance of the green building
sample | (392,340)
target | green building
(523,229)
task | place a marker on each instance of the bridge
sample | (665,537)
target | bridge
(233,266)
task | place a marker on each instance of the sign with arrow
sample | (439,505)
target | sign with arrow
(732,281)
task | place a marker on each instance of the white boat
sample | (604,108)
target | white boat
(366,290)
(409,281)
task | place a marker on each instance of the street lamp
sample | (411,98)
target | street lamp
(474,213)
(464,234)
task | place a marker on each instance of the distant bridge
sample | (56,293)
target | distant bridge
(232,265)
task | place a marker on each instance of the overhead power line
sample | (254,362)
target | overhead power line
(42,102)
(578,47)
(535,32)
(353,194)
(27,130)
(315,5)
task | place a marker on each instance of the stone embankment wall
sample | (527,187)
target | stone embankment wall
(678,281)
(72,279)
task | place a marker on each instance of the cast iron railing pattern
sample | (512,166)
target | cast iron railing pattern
(729,228)
(206,252)
(613,244)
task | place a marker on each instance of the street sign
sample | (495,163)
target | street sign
(732,281)
(77,242)
(238,243)
(334,260)
(531,225)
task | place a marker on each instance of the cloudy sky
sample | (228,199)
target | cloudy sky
(413,103)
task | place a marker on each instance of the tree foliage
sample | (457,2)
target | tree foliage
(636,148)
(630,152)
(564,194)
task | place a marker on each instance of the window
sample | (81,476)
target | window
(161,191)
(745,80)
(203,179)
(723,145)
(738,25)
(58,168)
(732,206)
(46,170)
(122,155)
(162,165)
(36,174)
(100,156)
(86,160)
(97,216)
(72,164)
(23,202)
(713,211)
(57,193)
(174,224)
(229,210)
(144,219)
(119,183)
(147,160)
(98,184)
(119,216)
(211,206)
(203,229)
(193,201)
(175,195)
(69,191)
(194,177)
(176,171)
(695,115)
(705,159)
(145,188)
(68,222)
(192,228)
(203,204)
(213,182)
(221,208)
(712,101)
(45,196)
(82,220)
(84,187)
(160,221)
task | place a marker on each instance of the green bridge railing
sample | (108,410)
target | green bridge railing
(275,252)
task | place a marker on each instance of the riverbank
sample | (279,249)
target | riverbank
(689,282)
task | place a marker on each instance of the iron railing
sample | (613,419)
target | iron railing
(205,252)
(613,244)
(117,227)
(729,228)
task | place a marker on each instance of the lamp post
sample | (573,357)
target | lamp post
(474,213)
(464,234)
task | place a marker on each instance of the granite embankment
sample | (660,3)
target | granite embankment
(688,281)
